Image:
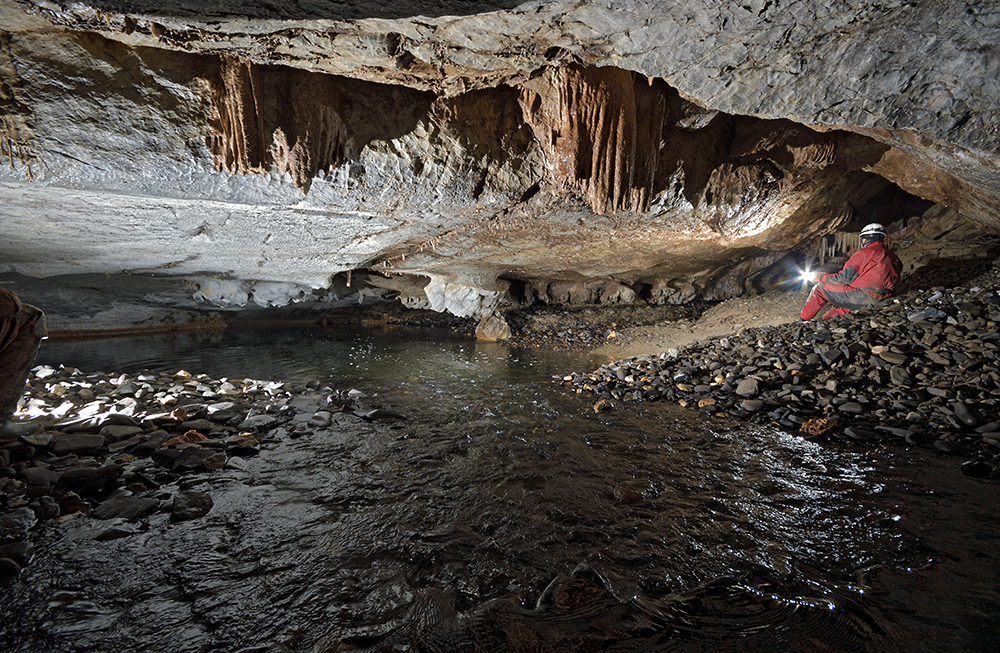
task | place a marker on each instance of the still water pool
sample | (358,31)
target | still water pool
(505,515)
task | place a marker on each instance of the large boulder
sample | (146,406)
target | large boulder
(90,481)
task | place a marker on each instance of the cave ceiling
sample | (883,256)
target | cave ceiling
(444,150)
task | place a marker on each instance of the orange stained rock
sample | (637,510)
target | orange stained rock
(189,437)
(600,131)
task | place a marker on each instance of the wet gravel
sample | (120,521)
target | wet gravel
(922,369)
(581,328)
(122,447)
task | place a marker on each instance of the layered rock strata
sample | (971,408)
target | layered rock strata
(686,147)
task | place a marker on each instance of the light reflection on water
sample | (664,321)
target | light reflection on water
(481,379)
(740,538)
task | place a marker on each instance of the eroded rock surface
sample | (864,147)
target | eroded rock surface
(469,157)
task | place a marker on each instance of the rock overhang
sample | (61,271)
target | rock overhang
(675,145)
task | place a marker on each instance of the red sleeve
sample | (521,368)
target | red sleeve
(850,271)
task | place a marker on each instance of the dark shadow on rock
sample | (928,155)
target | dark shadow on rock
(947,272)
(304,9)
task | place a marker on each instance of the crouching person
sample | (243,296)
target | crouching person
(22,328)
(870,275)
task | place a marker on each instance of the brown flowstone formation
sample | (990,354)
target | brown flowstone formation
(288,118)
(239,143)
(16,137)
(600,130)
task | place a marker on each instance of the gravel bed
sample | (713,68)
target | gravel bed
(922,369)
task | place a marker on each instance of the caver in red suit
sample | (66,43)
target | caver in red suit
(22,327)
(868,276)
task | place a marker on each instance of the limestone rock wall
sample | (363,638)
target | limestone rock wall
(485,154)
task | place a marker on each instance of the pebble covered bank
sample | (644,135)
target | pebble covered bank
(922,369)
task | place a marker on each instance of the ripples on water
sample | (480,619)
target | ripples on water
(505,515)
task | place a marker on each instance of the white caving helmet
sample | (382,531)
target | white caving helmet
(873,231)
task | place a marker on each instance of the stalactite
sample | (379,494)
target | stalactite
(650,112)
(270,115)
(17,140)
(600,130)
(238,143)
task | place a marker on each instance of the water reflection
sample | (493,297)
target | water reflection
(506,512)
(397,356)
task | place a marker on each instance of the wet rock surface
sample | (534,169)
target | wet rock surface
(120,447)
(582,328)
(389,534)
(922,369)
